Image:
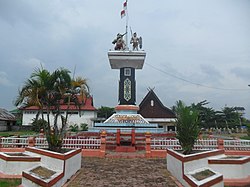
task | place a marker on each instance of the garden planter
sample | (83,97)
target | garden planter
(62,165)
(13,163)
(204,177)
(235,169)
(180,165)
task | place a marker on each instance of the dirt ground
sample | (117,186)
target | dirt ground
(136,172)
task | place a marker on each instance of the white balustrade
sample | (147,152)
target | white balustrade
(41,143)
(14,142)
(161,144)
(156,144)
(240,145)
(87,143)
(174,144)
(206,144)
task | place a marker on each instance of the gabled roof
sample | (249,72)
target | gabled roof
(86,106)
(6,116)
(152,107)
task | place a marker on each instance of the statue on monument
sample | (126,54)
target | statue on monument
(120,43)
(134,41)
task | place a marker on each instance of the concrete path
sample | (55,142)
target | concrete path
(123,172)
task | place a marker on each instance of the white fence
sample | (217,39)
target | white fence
(14,142)
(165,144)
(241,145)
(87,143)
(91,143)
(156,144)
(206,144)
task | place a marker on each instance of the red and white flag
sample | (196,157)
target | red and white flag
(123,13)
(125,5)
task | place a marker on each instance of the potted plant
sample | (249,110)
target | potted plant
(187,126)
(48,92)
(180,164)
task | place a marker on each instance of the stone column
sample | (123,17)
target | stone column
(220,143)
(118,137)
(133,137)
(31,141)
(148,144)
(103,144)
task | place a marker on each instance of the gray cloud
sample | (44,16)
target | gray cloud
(204,42)
(241,72)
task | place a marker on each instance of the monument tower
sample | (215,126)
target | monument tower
(127,61)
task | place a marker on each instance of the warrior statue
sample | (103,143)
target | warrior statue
(136,41)
(120,44)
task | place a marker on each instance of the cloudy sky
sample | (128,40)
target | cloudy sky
(196,50)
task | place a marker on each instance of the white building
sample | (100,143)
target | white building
(85,114)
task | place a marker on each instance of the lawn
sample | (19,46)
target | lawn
(10,182)
(17,133)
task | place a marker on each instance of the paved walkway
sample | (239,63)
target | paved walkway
(123,172)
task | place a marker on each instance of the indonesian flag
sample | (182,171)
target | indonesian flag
(123,13)
(125,5)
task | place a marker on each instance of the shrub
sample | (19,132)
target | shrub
(74,128)
(187,126)
(84,127)
(39,124)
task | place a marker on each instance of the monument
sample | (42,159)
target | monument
(127,61)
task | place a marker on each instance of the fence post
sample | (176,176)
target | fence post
(31,141)
(1,141)
(133,137)
(148,144)
(118,137)
(103,144)
(41,134)
(220,143)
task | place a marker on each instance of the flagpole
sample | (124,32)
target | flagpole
(127,48)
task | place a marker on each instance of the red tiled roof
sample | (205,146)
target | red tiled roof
(87,106)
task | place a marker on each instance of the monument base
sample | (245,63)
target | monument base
(126,109)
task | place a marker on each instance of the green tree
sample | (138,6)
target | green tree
(206,115)
(48,91)
(105,112)
(187,126)
(232,117)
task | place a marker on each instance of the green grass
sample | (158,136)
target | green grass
(17,133)
(10,182)
(246,137)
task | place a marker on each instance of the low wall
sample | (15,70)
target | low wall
(232,168)
(15,164)
(92,153)
(179,165)
(65,165)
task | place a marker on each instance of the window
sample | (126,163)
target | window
(127,71)
(152,102)
(72,112)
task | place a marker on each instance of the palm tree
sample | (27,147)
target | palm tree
(187,126)
(48,91)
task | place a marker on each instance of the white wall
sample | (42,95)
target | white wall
(15,167)
(174,166)
(85,117)
(233,171)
